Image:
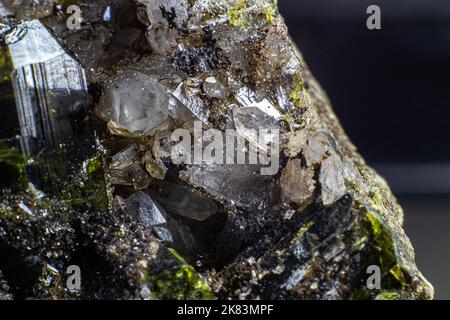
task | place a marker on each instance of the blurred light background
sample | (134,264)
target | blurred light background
(391,90)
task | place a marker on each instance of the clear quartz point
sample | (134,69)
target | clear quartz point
(136,102)
(141,206)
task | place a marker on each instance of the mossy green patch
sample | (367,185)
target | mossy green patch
(296,94)
(181,283)
(398,273)
(388,295)
(302,231)
(5,65)
(12,166)
(92,165)
(382,241)
(242,12)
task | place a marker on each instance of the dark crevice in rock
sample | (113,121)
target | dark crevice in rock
(20,271)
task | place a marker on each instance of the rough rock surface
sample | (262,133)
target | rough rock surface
(143,226)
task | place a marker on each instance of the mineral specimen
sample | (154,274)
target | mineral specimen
(143,208)
(142,225)
(137,102)
(50,86)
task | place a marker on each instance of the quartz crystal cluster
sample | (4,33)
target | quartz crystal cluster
(142,225)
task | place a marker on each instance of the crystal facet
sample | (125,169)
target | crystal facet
(137,102)
(141,206)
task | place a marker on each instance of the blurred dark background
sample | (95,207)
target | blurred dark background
(391,90)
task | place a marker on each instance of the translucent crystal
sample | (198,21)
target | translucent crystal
(119,204)
(37,45)
(180,200)
(161,39)
(154,166)
(164,234)
(294,142)
(133,175)
(192,86)
(30,9)
(254,114)
(193,103)
(50,90)
(276,54)
(319,143)
(178,235)
(142,207)
(137,102)
(168,13)
(139,177)
(107,14)
(118,177)
(241,184)
(124,158)
(331,179)
(250,120)
(183,239)
(213,88)
(297,182)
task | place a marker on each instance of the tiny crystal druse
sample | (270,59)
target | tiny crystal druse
(96,184)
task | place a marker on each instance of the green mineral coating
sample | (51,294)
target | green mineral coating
(295,95)
(238,14)
(392,275)
(288,117)
(236,17)
(92,165)
(383,240)
(269,13)
(387,295)
(5,65)
(12,156)
(302,231)
(399,275)
(177,255)
(180,283)
(92,192)
(96,187)
(12,164)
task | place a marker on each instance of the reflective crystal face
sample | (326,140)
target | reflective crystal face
(213,88)
(332,179)
(137,102)
(250,121)
(243,185)
(297,182)
(181,200)
(142,207)
(51,89)
(303,230)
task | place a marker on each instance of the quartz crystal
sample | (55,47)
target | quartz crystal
(137,102)
(214,88)
(243,185)
(318,145)
(141,206)
(180,200)
(331,179)
(169,13)
(297,182)
(192,103)
(124,158)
